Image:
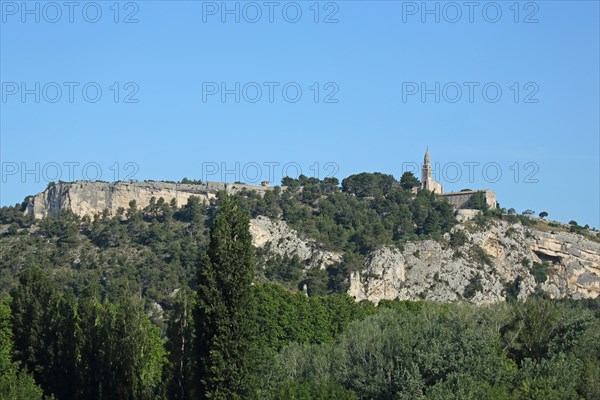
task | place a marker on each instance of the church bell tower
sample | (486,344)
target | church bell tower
(426,172)
(427,182)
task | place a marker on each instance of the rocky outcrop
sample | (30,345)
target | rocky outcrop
(575,261)
(93,197)
(90,198)
(383,277)
(480,270)
(280,239)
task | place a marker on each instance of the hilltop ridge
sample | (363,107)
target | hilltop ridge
(375,242)
(93,197)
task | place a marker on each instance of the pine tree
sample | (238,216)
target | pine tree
(225,311)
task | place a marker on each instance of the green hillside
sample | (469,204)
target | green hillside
(170,302)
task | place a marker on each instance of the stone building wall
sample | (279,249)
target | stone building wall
(460,200)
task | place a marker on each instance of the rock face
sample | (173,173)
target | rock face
(489,261)
(576,262)
(284,241)
(90,198)
(383,277)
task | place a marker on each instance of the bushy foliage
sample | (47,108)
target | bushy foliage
(15,215)
(284,269)
(332,347)
(79,347)
(409,181)
(187,181)
(512,289)
(15,382)
(368,184)
(422,350)
(477,202)
(180,372)
(285,317)
(153,250)
(402,354)
(540,271)
(356,224)
(473,287)
(458,238)
(480,256)
(322,390)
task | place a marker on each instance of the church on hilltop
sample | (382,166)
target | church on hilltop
(459,200)
(427,182)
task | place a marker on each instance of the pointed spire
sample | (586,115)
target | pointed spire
(427,157)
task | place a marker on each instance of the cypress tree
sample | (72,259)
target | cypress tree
(225,310)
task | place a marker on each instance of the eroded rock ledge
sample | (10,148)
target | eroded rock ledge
(280,239)
(93,197)
(434,271)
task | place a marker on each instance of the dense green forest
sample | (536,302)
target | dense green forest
(296,347)
(164,302)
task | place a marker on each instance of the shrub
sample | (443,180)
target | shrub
(479,255)
(458,238)
(513,289)
(473,287)
(540,272)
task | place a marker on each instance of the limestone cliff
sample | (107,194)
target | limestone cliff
(90,198)
(489,260)
(576,262)
(284,241)
(93,197)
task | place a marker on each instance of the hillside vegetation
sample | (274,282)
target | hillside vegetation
(154,250)
(168,302)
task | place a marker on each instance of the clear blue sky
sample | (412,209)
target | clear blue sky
(373,61)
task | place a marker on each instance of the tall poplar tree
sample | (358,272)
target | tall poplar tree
(82,348)
(180,333)
(32,302)
(225,310)
(15,383)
